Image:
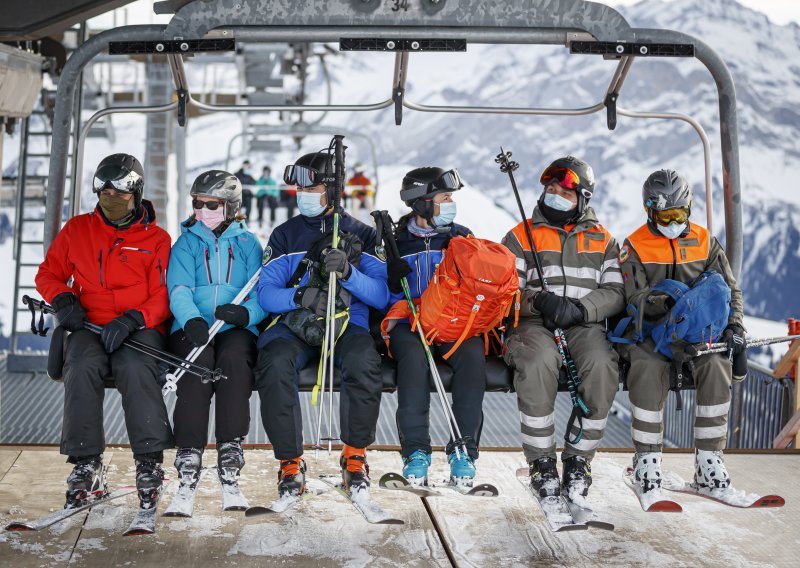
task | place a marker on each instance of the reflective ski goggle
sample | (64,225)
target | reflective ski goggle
(303,176)
(118,178)
(679,215)
(210,205)
(564,177)
(448,181)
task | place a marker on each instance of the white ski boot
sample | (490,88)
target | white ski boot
(709,470)
(647,470)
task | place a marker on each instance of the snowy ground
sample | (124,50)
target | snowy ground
(325,531)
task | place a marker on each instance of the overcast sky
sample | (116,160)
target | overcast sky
(779,11)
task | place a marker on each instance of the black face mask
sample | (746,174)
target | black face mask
(556,217)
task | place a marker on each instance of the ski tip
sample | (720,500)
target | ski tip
(391,522)
(137,532)
(600,525)
(522,472)
(176,514)
(19,527)
(236,508)
(257,511)
(484,490)
(768,501)
(566,528)
(665,507)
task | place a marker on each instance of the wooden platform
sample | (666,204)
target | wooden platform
(325,531)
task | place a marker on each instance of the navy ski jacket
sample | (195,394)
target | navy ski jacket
(288,245)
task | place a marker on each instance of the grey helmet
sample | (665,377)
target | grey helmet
(666,189)
(220,185)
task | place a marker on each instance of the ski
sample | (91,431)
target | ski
(653,501)
(727,496)
(364,504)
(282,504)
(144,522)
(182,504)
(56,516)
(555,509)
(395,481)
(482,490)
(582,513)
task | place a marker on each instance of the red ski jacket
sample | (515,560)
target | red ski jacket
(113,270)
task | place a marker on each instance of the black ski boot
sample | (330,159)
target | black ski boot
(85,482)
(292,477)
(149,481)
(355,471)
(230,461)
(188,462)
(577,476)
(544,477)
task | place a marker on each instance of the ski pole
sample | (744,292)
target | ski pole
(155,353)
(579,408)
(172,379)
(706,348)
(384,224)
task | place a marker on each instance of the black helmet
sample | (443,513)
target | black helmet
(427,182)
(313,169)
(572,173)
(122,173)
(220,185)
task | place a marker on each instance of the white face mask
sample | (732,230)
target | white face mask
(308,204)
(558,203)
(671,231)
(447,212)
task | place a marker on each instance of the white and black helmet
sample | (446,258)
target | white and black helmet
(666,189)
(220,184)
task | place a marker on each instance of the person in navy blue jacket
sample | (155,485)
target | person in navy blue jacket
(292,285)
(210,263)
(422,237)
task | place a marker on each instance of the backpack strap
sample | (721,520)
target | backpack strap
(475,309)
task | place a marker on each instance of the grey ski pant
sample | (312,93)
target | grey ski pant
(648,387)
(86,364)
(532,353)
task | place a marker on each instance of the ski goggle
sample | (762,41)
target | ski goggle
(118,178)
(564,177)
(448,181)
(303,176)
(679,215)
(210,205)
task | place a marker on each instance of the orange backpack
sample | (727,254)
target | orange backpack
(472,290)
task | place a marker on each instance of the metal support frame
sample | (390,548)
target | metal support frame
(513,22)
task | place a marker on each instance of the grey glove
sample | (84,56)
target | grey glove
(313,299)
(657,304)
(336,261)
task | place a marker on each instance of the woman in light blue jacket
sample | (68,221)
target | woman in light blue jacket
(210,263)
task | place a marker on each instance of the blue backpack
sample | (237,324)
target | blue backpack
(700,314)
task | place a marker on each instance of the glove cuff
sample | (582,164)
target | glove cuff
(63,300)
(298,296)
(137,318)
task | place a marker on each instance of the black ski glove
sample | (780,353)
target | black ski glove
(558,311)
(69,312)
(739,367)
(313,299)
(120,328)
(657,304)
(396,270)
(734,337)
(335,260)
(547,303)
(233,314)
(196,330)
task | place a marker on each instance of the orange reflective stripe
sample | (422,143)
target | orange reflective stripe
(544,238)
(655,249)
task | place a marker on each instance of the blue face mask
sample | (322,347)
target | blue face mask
(447,212)
(558,203)
(672,231)
(308,204)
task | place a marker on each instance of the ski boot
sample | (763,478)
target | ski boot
(149,481)
(709,470)
(647,470)
(355,471)
(544,477)
(577,476)
(415,467)
(85,482)
(188,462)
(292,477)
(230,461)
(462,468)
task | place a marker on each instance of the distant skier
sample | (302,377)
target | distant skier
(670,246)
(268,193)
(245,176)
(293,285)
(422,237)
(117,258)
(210,262)
(360,187)
(579,262)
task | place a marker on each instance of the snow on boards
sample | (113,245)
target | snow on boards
(363,503)
(653,501)
(728,496)
(395,481)
(62,514)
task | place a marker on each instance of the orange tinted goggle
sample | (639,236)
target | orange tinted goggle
(564,176)
(676,215)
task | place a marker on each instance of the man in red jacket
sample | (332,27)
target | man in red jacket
(117,259)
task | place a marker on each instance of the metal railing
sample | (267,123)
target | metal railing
(764,405)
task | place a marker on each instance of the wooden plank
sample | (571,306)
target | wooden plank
(788,433)
(789,358)
(324,530)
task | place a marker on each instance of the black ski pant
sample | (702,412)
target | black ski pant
(136,376)
(414,389)
(233,351)
(279,363)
